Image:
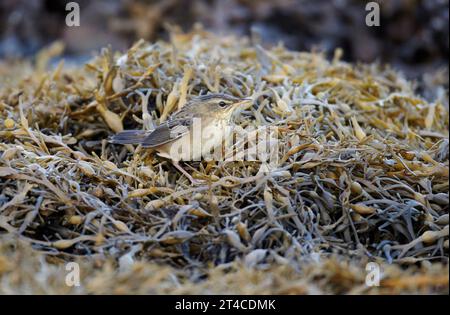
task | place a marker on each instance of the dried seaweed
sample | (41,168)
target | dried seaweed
(39,275)
(363,169)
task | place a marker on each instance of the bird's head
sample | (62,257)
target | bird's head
(219,106)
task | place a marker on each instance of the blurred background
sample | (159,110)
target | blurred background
(413,36)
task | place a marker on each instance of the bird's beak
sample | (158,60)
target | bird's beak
(244,101)
(242,104)
(239,104)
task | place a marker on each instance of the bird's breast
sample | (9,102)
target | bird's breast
(202,142)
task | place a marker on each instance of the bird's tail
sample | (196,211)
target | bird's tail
(129,137)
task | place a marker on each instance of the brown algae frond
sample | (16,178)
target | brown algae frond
(363,160)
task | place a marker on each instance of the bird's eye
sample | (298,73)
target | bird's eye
(222,104)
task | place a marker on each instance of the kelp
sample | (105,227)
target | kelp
(362,169)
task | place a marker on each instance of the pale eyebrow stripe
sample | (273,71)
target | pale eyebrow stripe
(213,96)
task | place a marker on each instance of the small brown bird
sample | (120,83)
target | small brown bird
(214,111)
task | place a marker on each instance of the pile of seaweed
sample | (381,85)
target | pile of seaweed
(362,171)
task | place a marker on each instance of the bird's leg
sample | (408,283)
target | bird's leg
(191,179)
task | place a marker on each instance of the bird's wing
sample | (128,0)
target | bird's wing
(167,132)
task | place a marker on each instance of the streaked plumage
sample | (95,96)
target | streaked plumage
(215,112)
